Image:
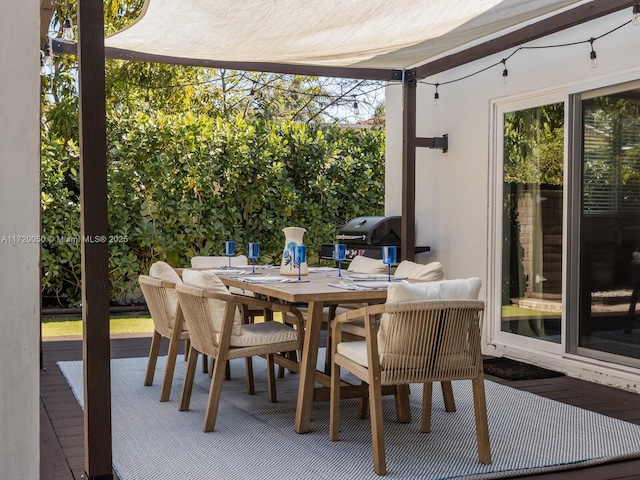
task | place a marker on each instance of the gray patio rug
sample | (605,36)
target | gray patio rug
(254,439)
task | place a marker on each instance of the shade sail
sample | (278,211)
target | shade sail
(360,34)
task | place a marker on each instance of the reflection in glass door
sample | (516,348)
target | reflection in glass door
(532,218)
(609,322)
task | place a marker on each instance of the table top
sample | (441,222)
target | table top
(314,287)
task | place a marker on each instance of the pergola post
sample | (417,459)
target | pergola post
(95,245)
(408,227)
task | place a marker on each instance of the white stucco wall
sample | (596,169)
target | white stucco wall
(19,215)
(453,194)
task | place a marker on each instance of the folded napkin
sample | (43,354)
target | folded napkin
(369,277)
(269,279)
(323,269)
(226,271)
(361,286)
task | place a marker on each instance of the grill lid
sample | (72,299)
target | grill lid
(371,231)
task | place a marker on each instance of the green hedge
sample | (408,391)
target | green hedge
(180,185)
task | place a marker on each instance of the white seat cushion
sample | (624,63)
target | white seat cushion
(354,328)
(209,281)
(164,271)
(362,264)
(356,351)
(430,272)
(263,334)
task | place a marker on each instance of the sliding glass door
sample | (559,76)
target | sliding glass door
(609,322)
(532,221)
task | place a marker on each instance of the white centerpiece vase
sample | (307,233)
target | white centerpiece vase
(293,238)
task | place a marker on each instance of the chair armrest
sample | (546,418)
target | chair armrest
(297,319)
(365,312)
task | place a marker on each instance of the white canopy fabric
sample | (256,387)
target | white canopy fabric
(377,34)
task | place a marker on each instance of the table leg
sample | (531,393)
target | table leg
(308,367)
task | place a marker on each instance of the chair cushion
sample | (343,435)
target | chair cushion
(263,333)
(354,328)
(430,272)
(212,262)
(164,271)
(356,351)
(362,264)
(209,281)
(459,289)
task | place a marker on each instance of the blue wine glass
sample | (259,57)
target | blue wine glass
(339,254)
(300,258)
(229,250)
(253,253)
(389,257)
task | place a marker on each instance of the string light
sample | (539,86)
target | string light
(147,100)
(47,55)
(592,55)
(67,30)
(436,96)
(505,72)
(356,110)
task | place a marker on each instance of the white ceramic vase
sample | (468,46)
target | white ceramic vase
(293,238)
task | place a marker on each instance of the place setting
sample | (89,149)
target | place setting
(366,281)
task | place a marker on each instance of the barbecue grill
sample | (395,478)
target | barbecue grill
(366,236)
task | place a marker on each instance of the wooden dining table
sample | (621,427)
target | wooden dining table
(316,292)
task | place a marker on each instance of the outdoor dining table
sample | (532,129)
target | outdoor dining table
(317,292)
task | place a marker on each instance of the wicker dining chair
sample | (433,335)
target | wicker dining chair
(200,261)
(421,341)
(168,322)
(210,316)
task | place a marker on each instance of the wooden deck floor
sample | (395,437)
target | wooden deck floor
(61,419)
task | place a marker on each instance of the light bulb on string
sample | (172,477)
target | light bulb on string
(67,30)
(356,110)
(436,96)
(47,60)
(42,69)
(505,72)
(146,100)
(636,14)
(592,55)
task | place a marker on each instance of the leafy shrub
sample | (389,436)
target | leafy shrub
(179,185)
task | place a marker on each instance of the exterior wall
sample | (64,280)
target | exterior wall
(19,215)
(454,189)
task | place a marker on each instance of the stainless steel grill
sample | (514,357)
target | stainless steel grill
(366,236)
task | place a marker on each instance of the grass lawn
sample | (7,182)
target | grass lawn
(65,326)
(513,311)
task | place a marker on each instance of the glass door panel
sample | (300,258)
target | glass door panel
(532,298)
(610,225)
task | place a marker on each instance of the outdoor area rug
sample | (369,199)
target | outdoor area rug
(254,439)
(513,370)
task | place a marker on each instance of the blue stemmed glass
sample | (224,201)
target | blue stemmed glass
(253,252)
(300,257)
(339,254)
(389,257)
(229,250)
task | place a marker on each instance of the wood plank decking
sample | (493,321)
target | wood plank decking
(62,433)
